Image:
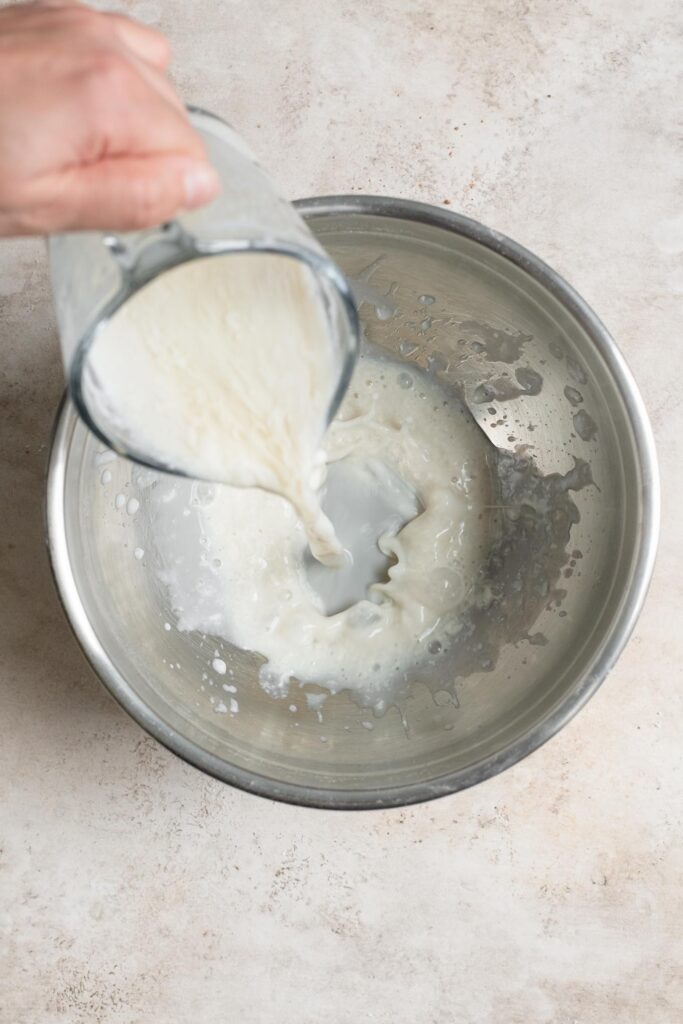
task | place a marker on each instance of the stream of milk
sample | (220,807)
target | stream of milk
(224,368)
(407,487)
(230,377)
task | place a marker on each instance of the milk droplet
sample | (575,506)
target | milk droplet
(202,494)
(106,477)
(120,500)
(407,348)
(437,361)
(132,506)
(584,425)
(234,706)
(139,553)
(219,666)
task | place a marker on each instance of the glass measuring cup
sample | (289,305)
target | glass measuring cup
(94,274)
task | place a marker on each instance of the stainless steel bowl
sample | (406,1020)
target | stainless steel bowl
(496,310)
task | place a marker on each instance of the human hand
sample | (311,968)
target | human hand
(92,134)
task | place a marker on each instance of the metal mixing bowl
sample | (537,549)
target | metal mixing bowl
(496,310)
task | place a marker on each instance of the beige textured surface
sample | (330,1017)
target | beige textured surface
(132,889)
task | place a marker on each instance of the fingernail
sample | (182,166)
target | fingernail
(201,184)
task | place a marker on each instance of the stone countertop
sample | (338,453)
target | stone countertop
(132,888)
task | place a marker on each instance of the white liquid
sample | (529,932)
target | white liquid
(244,574)
(223,368)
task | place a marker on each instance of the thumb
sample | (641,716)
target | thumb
(127,193)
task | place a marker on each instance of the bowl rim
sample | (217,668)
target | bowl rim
(538,734)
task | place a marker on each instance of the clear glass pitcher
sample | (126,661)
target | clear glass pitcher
(94,274)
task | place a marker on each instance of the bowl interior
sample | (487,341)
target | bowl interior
(491,317)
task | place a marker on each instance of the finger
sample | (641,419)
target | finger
(128,117)
(158,127)
(145,42)
(121,195)
(31,12)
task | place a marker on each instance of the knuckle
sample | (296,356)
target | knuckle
(108,71)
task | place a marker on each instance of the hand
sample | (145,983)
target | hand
(92,134)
